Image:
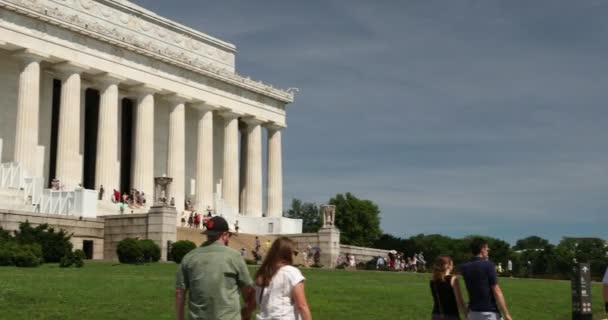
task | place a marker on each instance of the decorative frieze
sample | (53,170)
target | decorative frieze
(120,24)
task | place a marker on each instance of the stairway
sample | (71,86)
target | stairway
(237,241)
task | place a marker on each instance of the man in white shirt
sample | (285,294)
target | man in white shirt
(605,281)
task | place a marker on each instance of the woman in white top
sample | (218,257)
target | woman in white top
(279,287)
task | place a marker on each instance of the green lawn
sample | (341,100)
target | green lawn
(103,290)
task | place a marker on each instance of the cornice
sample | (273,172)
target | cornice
(128,26)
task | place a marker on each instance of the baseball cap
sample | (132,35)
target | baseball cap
(216,225)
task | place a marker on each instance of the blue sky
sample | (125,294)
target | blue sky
(455,117)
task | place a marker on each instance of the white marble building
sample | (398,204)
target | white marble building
(104,92)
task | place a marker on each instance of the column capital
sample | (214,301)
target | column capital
(204,106)
(271,125)
(252,120)
(29,55)
(108,79)
(176,98)
(144,89)
(229,114)
(69,68)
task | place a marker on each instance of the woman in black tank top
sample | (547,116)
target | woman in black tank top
(447,298)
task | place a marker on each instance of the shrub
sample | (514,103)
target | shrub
(66,261)
(137,251)
(5,236)
(180,248)
(54,245)
(7,254)
(28,256)
(150,250)
(75,258)
(129,251)
(79,258)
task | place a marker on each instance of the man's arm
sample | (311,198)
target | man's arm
(248,293)
(180,301)
(500,300)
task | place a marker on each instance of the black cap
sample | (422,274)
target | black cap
(216,225)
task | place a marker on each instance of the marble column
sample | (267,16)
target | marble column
(69,166)
(143,157)
(243,168)
(28,109)
(176,152)
(254,168)
(107,138)
(274,172)
(204,158)
(230,183)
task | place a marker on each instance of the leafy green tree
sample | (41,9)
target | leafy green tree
(357,219)
(308,212)
(531,242)
(591,250)
(389,242)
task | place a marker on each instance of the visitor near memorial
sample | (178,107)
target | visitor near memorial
(279,286)
(213,276)
(605,290)
(485,296)
(448,303)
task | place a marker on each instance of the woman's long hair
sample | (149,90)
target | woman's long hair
(280,254)
(441,265)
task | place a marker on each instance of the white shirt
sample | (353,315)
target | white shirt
(605,280)
(275,301)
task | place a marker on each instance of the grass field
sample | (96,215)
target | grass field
(103,290)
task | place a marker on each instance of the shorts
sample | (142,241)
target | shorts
(446,317)
(479,315)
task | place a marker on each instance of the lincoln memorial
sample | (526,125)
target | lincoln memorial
(99,97)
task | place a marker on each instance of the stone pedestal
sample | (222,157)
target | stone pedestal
(162,228)
(329,243)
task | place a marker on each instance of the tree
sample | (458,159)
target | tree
(357,219)
(308,212)
(389,242)
(590,250)
(531,242)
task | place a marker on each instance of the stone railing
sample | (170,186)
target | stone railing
(32,195)
(362,254)
(11,176)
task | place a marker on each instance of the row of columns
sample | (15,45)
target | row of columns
(69,164)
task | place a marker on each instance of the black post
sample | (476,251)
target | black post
(581,292)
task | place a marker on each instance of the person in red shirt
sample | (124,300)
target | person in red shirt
(197,220)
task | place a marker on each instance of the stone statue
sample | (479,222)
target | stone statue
(160,191)
(328,212)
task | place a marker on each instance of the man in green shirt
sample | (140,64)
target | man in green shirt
(213,275)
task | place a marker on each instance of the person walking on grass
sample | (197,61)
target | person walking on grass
(485,296)
(279,286)
(448,303)
(605,290)
(213,275)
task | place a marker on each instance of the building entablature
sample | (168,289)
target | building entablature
(133,28)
